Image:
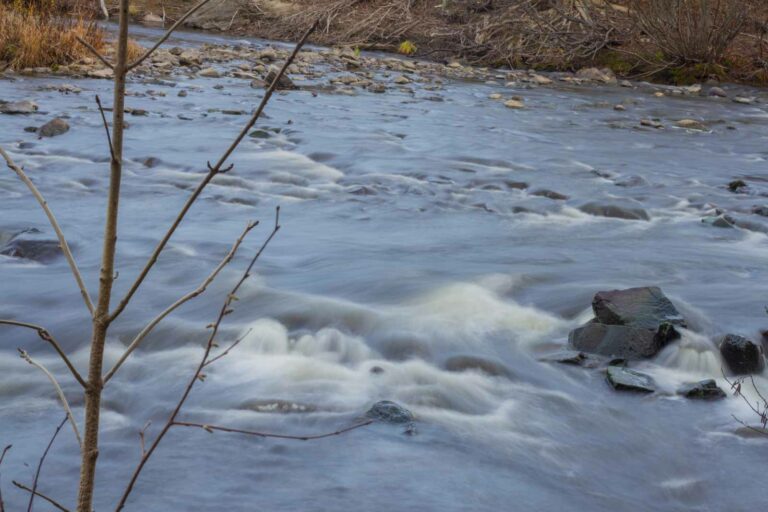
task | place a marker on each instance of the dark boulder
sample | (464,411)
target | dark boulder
(614,211)
(389,412)
(283,83)
(631,324)
(624,379)
(646,307)
(742,356)
(737,186)
(703,390)
(474,363)
(549,194)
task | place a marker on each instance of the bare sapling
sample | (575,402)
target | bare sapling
(101,311)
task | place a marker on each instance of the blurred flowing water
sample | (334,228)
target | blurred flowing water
(405,241)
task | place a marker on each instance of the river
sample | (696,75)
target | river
(405,241)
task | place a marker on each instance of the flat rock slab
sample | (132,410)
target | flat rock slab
(624,379)
(644,307)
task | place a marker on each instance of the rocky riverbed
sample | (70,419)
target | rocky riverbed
(453,243)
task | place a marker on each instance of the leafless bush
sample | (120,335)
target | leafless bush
(691,31)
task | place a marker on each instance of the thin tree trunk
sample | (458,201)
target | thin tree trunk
(101,319)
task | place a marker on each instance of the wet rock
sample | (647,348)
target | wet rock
(691,124)
(652,123)
(632,323)
(631,181)
(209,73)
(469,363)
(742,356)
(718,221)
(541,79)
(645,307)
(514,104)
(32,249)
(402,80)
(569,357)
(624,379)
(190,58)
(619,108)
(604,75)
(182,94)
(760,210)
(53,128)
(614,211)
(152,20)
(103,73)
(19,107)
(284,83)
(702,390)
(30,129)
(717,92)
(549,194)
(738,186)
(377,88)
(389,412)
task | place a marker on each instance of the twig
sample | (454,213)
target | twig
(167,34)
(2,456)
(106,127)
(211,428)
(228,349)
(52,219)
(40,464)
(186,298)
(64,403)
(143,437)
(41,495)
(46,336)
(224,311)
(95,52)
(213,171)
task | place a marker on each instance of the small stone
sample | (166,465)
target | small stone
(619,108)
(495,96)
(209,73)
(402,80)
(653,123)
(389,412)
(455,65)
(377,88)
(514,104)
(541,80)
(624,379)
(284,83)
(743,100)
(626,83)
(53,128)
(614,211)
(691,124)
(19,107)
(717,92)
(702,390)
(658,94)
(182,94)
(737,186)
(549,194)
(718,221)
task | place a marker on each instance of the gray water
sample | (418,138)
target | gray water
(431,261)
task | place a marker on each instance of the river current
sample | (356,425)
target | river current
(406,240)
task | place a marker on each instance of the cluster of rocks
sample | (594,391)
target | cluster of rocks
(635,324)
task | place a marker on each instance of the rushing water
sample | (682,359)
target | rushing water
(403,244)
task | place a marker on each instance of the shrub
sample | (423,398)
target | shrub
(32,35)
(691,31)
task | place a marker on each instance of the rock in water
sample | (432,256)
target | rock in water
(742,356)
(613,211)
(703,390)
(283,83)
(633,323)
(637,307)
(209,73)
(35,250)
(53,128)
(624,379)
(469,363)
(389,412)
(19,107)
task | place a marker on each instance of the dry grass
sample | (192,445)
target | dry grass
(34,36)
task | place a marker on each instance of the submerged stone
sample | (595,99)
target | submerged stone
(469,363)
(624,379)
(387,411)
(614,211)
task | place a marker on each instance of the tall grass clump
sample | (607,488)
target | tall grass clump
(38,34)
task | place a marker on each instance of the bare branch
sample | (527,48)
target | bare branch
(52,219)
(167,34)
(40,464)
(41,495)
(225,308)
(186,298)
(2,457)
(46,336)
(95,52)
(213,171)
(211,428)
(143,438)
(63,399)
(106,127)
(228,349)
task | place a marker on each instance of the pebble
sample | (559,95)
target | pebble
(514,104)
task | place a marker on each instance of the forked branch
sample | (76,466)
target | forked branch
(40,465)
(213,428)
(212,172)
(96,53)
(186,298)
(167,34)
(54,223)
(46,336)
(50,500)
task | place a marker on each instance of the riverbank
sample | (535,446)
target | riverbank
(725,45)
